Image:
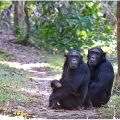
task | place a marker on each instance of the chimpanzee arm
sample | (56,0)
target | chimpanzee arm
(83,89)
(81,75)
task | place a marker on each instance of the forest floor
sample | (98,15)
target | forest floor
(28,59)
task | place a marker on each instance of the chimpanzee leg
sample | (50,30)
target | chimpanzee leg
(100,100)
(69,103)
(96,100)
(92,99)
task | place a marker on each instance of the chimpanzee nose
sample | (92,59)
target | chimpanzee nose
(73,60)
(93,57)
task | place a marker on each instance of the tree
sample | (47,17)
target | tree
(21,21)
(118,42)
(18,14)
(25,40)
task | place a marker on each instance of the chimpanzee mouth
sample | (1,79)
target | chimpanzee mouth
(92,63)
(73,66)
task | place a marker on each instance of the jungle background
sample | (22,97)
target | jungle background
(35,35)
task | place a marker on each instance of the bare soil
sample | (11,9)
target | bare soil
(29,59)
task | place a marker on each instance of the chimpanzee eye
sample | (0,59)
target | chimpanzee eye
(77,56)
(71,56)
(98,53)
(91,53)
(94,52)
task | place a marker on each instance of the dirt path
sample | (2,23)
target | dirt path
(28,59)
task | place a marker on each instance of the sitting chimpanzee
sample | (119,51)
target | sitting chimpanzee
(55,85)
(101,79)
(74,81)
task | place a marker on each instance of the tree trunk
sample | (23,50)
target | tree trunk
(25,40)
(18,15)
(118,42)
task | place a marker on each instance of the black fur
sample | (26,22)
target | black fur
(73,81)
(101,81)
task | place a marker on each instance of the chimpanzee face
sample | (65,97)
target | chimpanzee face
(95,56)
(55,84)
(73,59)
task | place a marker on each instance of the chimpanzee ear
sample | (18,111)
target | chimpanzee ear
(88,53)
(65,55)
(81,57)
(104,54)
(88,50)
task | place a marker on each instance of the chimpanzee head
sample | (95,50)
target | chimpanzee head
(73,58)
(55,84)
(95,56)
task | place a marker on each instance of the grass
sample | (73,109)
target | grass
(11,82)
(113,108)
(4,55)
(55,62)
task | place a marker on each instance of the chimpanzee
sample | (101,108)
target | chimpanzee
(55,85)
(74,81)
(101,79)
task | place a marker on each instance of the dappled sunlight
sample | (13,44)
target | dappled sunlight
(33,68)
(44,79)
(6,117)
(39,70)
(115,68)
(35,92)
(34,71)
(26,67)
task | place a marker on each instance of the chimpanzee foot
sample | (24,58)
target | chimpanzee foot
(81,108)
(89,107)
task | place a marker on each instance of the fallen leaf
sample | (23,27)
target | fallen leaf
(31,79)
(37,91)
(21,113)
(1,111)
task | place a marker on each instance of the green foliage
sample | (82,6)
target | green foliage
(22,33)
(4,4)
(63,25)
